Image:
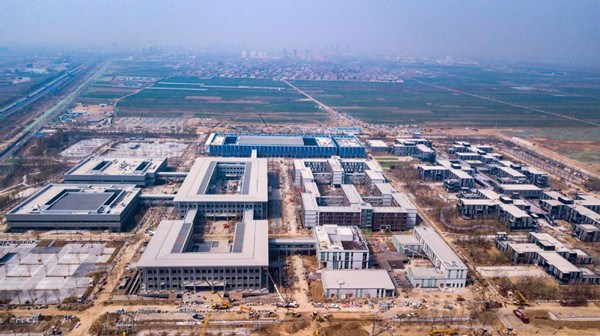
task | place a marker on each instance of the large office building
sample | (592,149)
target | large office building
(139,171)
(175,261)
(225,188)
(284,145)
(447,271)
(76,206)
(341,247)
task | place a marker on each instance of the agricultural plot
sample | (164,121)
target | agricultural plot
(245,100)
(577,143)
(104,94)
(426,99)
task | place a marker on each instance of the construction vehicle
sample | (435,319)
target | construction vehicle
(315,316)
(246,309)
(284,303)
(520,299)
(443,332)
(521,316)
(224,304)
(205,325)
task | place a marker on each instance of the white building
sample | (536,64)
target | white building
(447,271)
(377,146)
(346,284)
(175,261)
(139,171)
(76,206)
(225,188)
(341,247)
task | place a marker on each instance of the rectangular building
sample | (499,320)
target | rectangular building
(450,271)
(76,206)
(283,145)
(128,170)
(174,261)
(361,284)
(520,190)
(225,188)
(377,146)
(341,247)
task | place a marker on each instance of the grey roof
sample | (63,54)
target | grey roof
(354,279)
(250,248)
(254,182)
(439,247)
(79,201)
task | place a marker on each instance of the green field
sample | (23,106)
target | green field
(146,68)
(574,95)
(224,98)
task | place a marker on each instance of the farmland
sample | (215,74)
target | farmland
(579,144)
(222,98)
(460,96)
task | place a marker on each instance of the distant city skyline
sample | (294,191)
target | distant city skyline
(536,31)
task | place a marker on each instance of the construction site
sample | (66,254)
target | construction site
(229,231)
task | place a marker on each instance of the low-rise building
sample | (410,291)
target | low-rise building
(417,148)
(378,146)
(520,190)
(341,247)
(406,244)
(76,206)
(447,271)
(347,284)
(127,170)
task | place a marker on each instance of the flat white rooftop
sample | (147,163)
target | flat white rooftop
(519,187)
(117,166)
(253,183)
(376,143)
(78,199)
(353,279)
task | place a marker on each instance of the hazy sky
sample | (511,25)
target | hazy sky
(511,30)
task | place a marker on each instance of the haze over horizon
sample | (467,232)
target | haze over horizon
(538,31)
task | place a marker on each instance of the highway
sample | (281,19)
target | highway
(39,122)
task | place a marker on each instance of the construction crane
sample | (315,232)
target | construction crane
(205,325)
(285,303)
